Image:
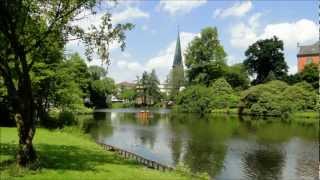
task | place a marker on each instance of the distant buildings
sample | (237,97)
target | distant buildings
(173,84)
(308,54)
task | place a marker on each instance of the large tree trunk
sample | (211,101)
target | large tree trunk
(26,155)
(25,120)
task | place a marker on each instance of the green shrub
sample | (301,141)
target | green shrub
(276,98)
(58,119)
(196,99)
(85,122)
(67,118)
(301,96)
(223,96)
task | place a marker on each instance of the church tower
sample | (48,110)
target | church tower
(177,61)
(177,72)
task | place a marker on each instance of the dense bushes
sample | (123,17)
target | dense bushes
(301,97)
(58,119)
(202,99)
(195,98)
(276,98)
(223,95)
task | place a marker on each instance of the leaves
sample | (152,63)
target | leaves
(205,58)
(277,98)
(264,56)
(149,88)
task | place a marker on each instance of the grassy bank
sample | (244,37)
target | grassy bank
(306,114)
(68,154)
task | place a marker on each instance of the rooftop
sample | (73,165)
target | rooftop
(313,49)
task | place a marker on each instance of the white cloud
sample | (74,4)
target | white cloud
(242,35)
(174,7)
(231,59)
(292,69)
(129,14)
(302,31)
(254,20)
(125,70)
(238,9)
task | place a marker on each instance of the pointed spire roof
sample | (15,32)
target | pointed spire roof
(177,61)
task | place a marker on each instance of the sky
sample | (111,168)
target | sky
(151,44)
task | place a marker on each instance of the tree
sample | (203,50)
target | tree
(70,84)
(293,78)
(264,56)
(237,76)
(148,88)
(205,58)
(128,95)
(28,28)
(97,72)
(101,90)
(310,74)
(154,83)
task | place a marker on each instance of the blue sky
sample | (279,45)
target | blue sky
(150,45)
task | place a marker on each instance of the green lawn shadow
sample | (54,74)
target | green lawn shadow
(63,157)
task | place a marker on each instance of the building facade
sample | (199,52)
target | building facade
(308,54)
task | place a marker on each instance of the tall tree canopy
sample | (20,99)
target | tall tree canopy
(33,31)
(148,90)
(310,74)
(266,57)
(237,76)
(205,57)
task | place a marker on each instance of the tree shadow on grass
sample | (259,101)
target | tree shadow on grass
(61,157)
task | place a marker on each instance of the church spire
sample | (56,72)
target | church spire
(177,61)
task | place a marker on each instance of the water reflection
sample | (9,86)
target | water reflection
(265,163)
(223,146)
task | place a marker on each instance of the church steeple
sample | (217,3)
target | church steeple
(177,61)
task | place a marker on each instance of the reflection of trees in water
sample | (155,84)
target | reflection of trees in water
(177,130)
(102,127)
(145,131)
(101,115)
(308,160)
(277,130)
(205,148)
(147,137)
(308,167)
(264,163)
(203,156)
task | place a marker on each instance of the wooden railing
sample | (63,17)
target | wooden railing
(129,155)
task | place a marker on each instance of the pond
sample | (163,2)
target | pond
(224,146)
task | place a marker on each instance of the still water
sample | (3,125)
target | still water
(225,147)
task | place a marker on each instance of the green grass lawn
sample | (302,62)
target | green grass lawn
(65,155)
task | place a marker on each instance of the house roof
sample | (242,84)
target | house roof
(313,49)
